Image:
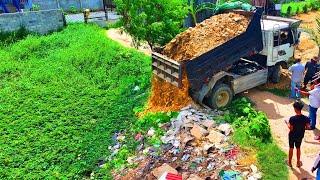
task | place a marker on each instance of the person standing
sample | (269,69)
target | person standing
(316,166)
(297,125)
(311,68)
(314,104)
(297,72)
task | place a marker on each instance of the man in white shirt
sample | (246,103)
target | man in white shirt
(314,98)
(297,73)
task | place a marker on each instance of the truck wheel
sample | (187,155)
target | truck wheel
(275,76)
(221,96)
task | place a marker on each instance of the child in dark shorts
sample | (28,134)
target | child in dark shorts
(297,125)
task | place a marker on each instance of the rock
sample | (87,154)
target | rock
(185,157)
(198,132)
(215,137)
(253,168)
(208,124)
(225,128)
(194,177)
(157,172)
(151,132)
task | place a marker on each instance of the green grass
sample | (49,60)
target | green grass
(62,98)
(256,135)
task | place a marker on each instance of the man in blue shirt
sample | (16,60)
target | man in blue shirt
(311,68)
(297,72)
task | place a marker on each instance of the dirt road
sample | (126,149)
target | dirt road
(278,109)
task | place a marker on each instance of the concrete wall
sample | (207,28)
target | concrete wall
(39,21)
(67,4)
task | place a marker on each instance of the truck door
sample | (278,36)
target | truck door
(282,46)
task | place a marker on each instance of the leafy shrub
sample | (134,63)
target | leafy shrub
(305,8)
(73,9)
(156,22)
(252,131)
(243,116)
(35,7)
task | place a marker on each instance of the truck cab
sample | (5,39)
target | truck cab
(280,35)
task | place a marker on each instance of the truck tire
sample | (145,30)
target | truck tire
(221,96)
(276,72)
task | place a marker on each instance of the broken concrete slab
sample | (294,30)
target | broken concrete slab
(198,132)
(215,137)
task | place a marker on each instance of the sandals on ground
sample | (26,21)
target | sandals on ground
(287,163)
(299,164)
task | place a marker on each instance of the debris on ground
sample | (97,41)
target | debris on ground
(205,36)
(193,146)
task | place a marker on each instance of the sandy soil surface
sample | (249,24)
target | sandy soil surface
(126,40)
(308,19)
(279,109)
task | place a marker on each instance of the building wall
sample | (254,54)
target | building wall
(67,4)
(41,22)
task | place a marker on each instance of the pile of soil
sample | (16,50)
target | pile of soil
(307,48)
(167,97)
(206,36)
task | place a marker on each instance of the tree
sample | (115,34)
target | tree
(154,21)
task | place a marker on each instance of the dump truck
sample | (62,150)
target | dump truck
(244,62)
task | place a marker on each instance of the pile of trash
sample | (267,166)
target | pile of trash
(194,147)
(205,36)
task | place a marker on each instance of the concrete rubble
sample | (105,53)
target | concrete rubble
(194,146)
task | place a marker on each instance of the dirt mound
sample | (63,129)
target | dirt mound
(205,36)
(307,48)
(167,97)
(283,84)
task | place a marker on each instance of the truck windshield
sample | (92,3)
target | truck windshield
(284,36)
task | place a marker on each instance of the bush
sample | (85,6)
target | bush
(156,22)
(244,117)
(252,131)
